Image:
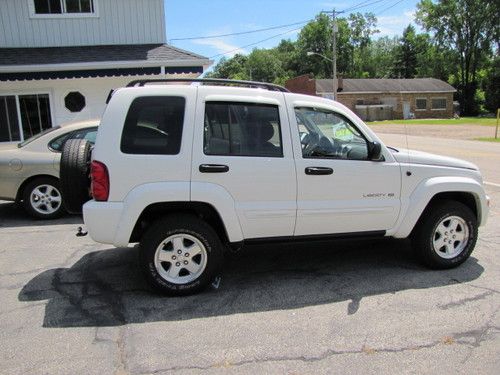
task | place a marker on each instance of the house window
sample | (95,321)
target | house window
(421,104)
(64,6)
(439,103)
(23,116)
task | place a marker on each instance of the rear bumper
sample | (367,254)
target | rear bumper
(102,220)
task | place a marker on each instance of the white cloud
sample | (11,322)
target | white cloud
(220,46)
(394,25)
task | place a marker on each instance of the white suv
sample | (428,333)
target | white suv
(189,170)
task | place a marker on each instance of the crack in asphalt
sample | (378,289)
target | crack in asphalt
(479,336)
(118,344)
(464,301)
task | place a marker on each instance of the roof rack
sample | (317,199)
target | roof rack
(228,82)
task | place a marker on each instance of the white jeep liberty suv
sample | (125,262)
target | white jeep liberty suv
(189,170)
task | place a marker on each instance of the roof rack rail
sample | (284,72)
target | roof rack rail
(228,82)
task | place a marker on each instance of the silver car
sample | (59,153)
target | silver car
(29,171)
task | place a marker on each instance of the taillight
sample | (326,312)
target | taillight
(99,178)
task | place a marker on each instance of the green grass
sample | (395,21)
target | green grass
(489,139)
(483,121)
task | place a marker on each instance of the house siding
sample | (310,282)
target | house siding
(95,91)
(116,22)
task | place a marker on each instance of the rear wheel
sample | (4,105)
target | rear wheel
(446,235)
(42,198)
(181,255)
(75,174)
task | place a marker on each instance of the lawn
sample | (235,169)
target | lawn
(483,121)
(489,139)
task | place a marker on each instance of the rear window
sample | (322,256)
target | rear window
(154,126)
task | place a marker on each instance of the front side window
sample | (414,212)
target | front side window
(154,126)
(63,6)
(242,129)
(326,134)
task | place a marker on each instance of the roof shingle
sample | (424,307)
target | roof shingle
(351,85)
(94,54)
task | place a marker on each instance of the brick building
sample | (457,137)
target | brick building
(384,99)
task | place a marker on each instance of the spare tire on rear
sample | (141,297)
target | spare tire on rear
(75,174)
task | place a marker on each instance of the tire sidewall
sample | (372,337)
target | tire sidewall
(430,255)
(74,174)
(28,190)
(154,238)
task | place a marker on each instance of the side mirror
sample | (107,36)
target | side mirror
(374,150)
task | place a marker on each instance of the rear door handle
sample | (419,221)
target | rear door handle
(319,170)
(213,168)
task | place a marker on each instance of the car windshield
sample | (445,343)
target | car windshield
(36,136)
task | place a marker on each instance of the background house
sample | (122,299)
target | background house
(60,58)
(384,99)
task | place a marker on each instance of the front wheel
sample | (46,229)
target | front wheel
(446,235)
(181,255)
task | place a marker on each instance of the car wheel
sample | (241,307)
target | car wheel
(42,198)
(75,174)
(446,235)
(181,255)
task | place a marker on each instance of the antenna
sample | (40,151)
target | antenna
(408,172)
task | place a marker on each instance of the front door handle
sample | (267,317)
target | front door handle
(319,170)
(213,168)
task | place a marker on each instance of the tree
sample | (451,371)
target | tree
(491,86)
(264,65)
(406,60)
(469,27)
(233,68)
(361,28)
(316,36)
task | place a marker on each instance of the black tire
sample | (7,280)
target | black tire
(185,226)
(42,198)
(75,174)
(427,233)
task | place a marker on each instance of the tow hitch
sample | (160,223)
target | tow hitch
(81,233)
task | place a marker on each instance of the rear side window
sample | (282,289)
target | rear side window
(242,129)
(154,126)
(89,134)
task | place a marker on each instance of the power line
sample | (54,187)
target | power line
(361,5)
(242,32)
(253,44)
(354,7)
(389,7)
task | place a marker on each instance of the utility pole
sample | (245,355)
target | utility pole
(334,58)
(335,29)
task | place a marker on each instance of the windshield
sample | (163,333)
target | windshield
(36,136)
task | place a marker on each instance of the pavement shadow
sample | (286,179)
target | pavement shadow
(12,215)
(106,288)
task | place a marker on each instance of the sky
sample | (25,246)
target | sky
(202,18)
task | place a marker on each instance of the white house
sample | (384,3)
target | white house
(59,59)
